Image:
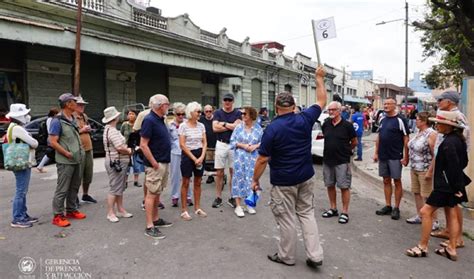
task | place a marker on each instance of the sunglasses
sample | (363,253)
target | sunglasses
(208,111)
(228,100)
(180,114)
(244,113)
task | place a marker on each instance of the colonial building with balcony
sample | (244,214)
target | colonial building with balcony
(130,52)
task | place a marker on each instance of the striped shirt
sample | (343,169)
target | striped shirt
(193,136)
(112,140)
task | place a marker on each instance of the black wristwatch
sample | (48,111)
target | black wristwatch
(224,124)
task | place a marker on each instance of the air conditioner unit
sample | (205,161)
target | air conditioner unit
(235,88)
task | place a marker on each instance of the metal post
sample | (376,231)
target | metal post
(406,57)
(77,60)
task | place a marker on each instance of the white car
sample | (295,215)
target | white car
(317,138)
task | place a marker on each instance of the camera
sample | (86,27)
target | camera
(115,165)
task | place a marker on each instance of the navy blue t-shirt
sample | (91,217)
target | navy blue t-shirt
(287,141)
(230,117)
(391,132)
(155,129)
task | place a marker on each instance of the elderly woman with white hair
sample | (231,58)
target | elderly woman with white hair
(175,164)
(193,143)
(117,159)
(19,116)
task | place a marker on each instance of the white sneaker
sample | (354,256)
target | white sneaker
(112,218)
(251,210)
(239,211)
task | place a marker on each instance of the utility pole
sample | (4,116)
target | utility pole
(406,56)
(343,83)
(77,60)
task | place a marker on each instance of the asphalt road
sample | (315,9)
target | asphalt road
(219,246)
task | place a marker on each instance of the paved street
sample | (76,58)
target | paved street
(220,246)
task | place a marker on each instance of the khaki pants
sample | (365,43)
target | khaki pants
(288,202)
(69,181)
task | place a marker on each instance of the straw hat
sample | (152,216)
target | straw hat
(448,117)
(110,114)
(17,110)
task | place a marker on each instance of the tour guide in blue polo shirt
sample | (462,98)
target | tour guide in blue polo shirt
(156,146)
(286,146)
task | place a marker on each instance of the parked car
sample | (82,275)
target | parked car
(317,143)
(37,128)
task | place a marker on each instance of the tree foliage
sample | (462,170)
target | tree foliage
(448,32)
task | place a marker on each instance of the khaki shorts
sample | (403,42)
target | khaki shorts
(420,185)
(156,180)
(210,154)
(224,156)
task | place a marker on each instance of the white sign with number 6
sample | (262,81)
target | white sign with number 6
(324,29)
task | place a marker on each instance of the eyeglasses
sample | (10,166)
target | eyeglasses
(228,100)
(244,113)
(335,109)
(208,111)
(180,114)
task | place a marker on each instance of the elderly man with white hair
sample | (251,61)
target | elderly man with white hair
(156,146)
(339,140)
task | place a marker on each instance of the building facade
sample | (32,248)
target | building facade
(130,52)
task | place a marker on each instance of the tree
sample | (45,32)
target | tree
(448,31)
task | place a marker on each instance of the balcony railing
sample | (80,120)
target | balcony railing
(208,37)
(94,5)
(149,19)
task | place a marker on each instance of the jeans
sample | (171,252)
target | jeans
(359,147)
(19,201)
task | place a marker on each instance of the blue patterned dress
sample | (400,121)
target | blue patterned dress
(244,162)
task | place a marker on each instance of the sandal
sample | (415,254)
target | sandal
(330,213)
(344,218)
(417,252)
(444,252)
(200,213)
(276,258)
(444,244)
(440,234)
(185,216)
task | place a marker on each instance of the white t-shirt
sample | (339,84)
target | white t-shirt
(193,135)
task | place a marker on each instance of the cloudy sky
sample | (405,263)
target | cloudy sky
(360,44)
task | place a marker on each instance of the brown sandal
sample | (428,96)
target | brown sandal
(417,252)
(440,234)
(444,252)
(444,244)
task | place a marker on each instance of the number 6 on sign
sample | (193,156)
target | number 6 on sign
(324,29)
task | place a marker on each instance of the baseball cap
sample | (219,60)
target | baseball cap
(80,100)
(66,97)
(449,95)
(285,99)
(228,96)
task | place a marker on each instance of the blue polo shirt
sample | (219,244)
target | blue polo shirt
(391,132)
(287,141)
(155,129)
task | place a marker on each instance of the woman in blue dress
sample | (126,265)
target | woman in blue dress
(245,141)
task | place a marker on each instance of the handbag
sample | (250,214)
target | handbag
(15,155)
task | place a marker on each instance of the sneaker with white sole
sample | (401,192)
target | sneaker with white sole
(435,225)
(112,218)
(414,220)
(251,210)
(239,211)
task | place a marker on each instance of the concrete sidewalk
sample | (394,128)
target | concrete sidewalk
(369,170)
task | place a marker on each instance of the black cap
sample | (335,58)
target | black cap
(285,99)
(228,96)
